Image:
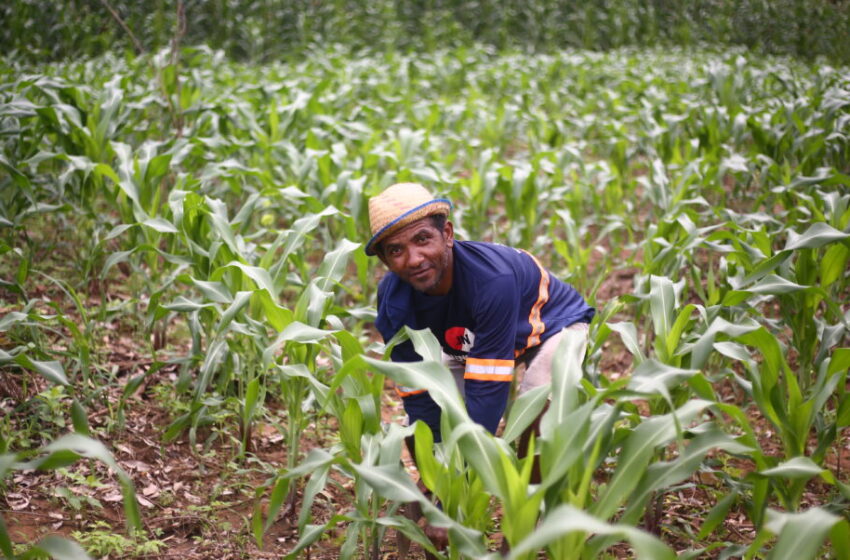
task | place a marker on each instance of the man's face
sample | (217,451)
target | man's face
(421,255)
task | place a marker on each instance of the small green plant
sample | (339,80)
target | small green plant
(697,197)
(99,539)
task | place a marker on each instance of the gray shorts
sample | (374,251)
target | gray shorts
(538,371)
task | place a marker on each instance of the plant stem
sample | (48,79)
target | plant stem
(124,26)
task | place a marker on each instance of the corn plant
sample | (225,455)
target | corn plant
(697,198)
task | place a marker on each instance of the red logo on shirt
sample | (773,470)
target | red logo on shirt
(460,338)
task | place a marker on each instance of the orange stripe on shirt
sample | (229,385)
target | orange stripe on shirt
(534,317)
(489,369)
(488,377)
(489,362)
(401,393)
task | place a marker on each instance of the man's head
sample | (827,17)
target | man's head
(413,237)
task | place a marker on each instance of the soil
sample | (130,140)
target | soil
(198,501)
(198,497)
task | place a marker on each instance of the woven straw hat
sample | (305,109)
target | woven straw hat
(399,205)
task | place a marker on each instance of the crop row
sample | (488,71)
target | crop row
(231,201)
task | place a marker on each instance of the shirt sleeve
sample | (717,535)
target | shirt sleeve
(392,316)
(490,364)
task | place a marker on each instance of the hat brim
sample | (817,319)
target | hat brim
(430,208)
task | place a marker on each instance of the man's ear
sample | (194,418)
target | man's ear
(449,233)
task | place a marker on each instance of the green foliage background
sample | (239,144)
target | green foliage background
(213,209)
(269,29)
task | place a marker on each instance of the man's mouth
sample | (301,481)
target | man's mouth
(419,274)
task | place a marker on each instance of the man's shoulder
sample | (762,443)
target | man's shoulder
(486,272)
(393,305)
(488,259)
(391,287)
(487,250)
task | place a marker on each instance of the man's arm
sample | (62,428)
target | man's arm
(490,364)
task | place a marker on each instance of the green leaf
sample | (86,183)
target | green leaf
(21,179)
(425,344)
(842,417)
(773,284)
(239,302)
(295,239)
(134,383)
(218,219)
(662,299)
(840,537)
(57,548)
(7,461)
(701,349)
(318,481)
(52,370)
(69,447)
(566,379)
(334,263)
(115,258)
(818,235)
(561,445)
(675,334)
(277,316)
(429,469)
(431,375)
(312,533)
(410,529)
(766,266)
(798,467)
(184,305)
(833,264)
(11,319)
(662,475)
(565,520)
(653,377)
(156,168)
(80,418)
(312,304)
(160,224)
(278,494)
(637,451)
(524,410)
(628,332)
(299,332)
(390,481)
(717,514)
(213,291)
(800,534)
(252,398)
(5,541)
(23,272)
(316,459)
(839,361)
(260,276)
(118,230)
(351,429)
(104,169)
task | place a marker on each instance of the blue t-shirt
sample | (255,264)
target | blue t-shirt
(502,303)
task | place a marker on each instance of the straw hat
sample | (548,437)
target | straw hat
(399,205)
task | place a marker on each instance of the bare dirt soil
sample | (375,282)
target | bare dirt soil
(198,499)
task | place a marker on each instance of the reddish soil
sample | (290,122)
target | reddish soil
(198,500)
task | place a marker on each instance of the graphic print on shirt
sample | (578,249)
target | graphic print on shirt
(460,338)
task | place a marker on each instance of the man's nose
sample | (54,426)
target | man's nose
(414,258)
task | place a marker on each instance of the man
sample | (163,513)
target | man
(491,307)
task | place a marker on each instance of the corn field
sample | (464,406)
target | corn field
(182,263)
